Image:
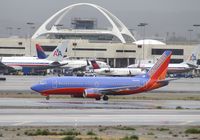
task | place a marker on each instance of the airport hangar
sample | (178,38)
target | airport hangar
(115,46)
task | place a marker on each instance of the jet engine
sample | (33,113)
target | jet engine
(92,93)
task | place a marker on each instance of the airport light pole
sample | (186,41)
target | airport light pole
(166,38)
(196,26)
(143,26)
(30,24)
(190,35)
(9,29)
(18,31)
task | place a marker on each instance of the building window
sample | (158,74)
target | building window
(88,49)
(20,43)
(74,44)
(131,61)
(198,62)
(121,62)
(176,60)
(126,51)
(139,46)
(9,55)
(174,51)
(12,48)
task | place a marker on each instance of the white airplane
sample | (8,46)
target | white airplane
(172,68)
(115,71)
(31,63)
(183,67)
(71,64)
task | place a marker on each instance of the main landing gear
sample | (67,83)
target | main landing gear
(105,98)
(47,97)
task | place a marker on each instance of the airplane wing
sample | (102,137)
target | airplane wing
(108,91)
(192,65)
(111,91)
(82,68)
(5,67)
(115,90)
(74,69)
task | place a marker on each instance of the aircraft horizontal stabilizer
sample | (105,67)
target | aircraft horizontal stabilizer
(166,81)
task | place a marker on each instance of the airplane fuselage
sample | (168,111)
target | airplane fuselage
(119,71)
(77,85)
(24,61)
(172,68)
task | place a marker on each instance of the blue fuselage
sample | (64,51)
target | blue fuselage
(57,84)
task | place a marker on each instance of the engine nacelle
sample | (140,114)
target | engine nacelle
(107,70)
(92,93)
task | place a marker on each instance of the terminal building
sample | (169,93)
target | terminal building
(117,45)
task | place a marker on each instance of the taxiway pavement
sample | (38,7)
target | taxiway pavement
(94,117)
(79,103)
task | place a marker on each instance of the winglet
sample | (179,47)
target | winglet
(58,54)
(159,70)
(40,52)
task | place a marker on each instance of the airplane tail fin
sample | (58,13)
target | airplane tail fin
(58,54)
(94,64)
(194,56)
(159,70)
(40,52)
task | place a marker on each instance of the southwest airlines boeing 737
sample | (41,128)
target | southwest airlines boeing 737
(102,87)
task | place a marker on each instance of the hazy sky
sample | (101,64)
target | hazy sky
(161,15)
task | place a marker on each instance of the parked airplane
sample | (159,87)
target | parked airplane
(98,87)
(30,63)
(173,68)
(72,64)
(115,71)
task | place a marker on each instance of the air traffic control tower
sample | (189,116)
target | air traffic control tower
(84,23)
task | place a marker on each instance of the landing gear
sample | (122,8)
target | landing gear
(47,97)
(98,98)
(105,98)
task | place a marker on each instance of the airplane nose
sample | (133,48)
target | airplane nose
(35,88)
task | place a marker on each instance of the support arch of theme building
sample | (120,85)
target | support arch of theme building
(118,28)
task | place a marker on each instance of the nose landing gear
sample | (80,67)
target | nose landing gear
(47,97)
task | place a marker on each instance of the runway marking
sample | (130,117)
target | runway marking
(22,123)
(186,123)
